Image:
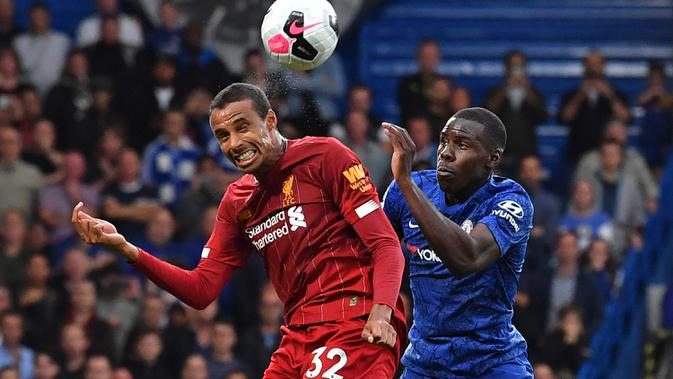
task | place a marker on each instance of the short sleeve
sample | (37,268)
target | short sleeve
(227,243)
(347,181)
(392,206)
(510,219)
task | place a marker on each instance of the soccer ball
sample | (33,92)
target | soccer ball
(300,34)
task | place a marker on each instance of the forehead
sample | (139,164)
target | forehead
(243,109)
(463,128)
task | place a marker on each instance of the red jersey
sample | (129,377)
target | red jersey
(299,219)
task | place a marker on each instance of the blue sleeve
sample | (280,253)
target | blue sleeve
(510,219)
(147,172)
(392,206)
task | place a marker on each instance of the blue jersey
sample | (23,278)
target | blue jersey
(463,325)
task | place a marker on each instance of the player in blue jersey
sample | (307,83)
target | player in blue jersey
(466,230)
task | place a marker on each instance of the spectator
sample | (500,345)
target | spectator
(520,106)
(194,244)
(565,283)
(236,374)
(82,312)
(100,116)
(43,153)
(129,202)
(56,200)
(10,70)
(259,343)
(178,338)
(422,135)
(109,57)
(198,65)
(6,303)
(68,103)
(439,108)
(122,373)
(221,358)
(360,98)
(108,150)
(8,27)
(322,88)
(166,39)
(584,217)
(9,373)
(255,72)
(157,93)
(170,160)
(195,367)
(118,306)
(588,108)
(42,50)
(146,363)
(619,195)
(12,352)
(151,318)
(201,322)
(74,345)
(98,367)
(413,91)
(160,239)
(31,105)
(541,370)
(373,157)
(75,269)
(206,190)
(38,303)
(600,263)
(460,99)
(656,133)
(46,366)
(13,248)
(547,212)
(565,348)
(89,31)
(20,180)
(633,162)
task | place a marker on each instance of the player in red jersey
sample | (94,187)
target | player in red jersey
(309,208)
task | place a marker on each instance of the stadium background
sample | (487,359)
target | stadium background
(140,83)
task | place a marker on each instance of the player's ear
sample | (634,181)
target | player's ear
(494,158)
(271,120)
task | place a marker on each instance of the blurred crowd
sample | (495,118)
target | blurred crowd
(117,117)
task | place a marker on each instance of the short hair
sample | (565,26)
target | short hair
(494,126)
(238,92)
(656,66)
(512,53)
(39,5)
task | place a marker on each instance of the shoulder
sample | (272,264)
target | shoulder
(30,169)
(510,196)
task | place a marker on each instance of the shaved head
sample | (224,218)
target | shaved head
(483,125)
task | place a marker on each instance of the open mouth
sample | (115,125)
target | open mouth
(245,158)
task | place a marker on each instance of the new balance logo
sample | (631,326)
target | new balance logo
(354,173)
(296,218)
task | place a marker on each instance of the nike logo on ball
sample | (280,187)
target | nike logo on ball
(294,29)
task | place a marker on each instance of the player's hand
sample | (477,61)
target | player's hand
(378,329)
(404,150)
(100,232)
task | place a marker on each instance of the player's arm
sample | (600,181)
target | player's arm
(197,288)
(348,183)
(460,252)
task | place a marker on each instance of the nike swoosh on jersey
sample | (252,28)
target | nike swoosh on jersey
(412,225)
(294,29)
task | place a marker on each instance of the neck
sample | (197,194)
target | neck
(459,196)
(282,144)
(566,268)
(223,356)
